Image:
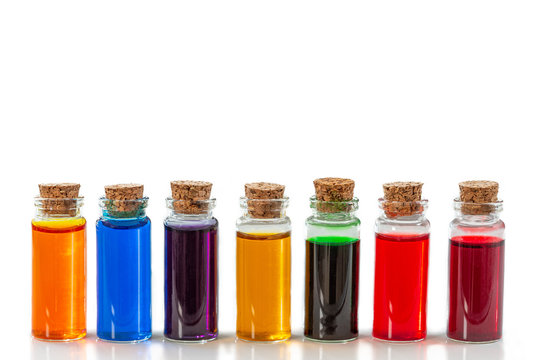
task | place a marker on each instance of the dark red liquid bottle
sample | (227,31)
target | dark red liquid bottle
(401,264)
(476,288)
(476,264)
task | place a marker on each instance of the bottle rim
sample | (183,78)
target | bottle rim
(491,207)
(52,203)
(336,207)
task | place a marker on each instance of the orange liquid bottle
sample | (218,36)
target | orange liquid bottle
(263,265)
(58,267)
(263,286)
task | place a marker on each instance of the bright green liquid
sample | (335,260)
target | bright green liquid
(332,240)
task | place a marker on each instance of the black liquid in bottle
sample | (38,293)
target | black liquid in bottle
(332,271)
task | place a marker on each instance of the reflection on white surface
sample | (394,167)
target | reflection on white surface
(460,351)
(399,351)
(325,351)
(207,351)
(256,350)
(227,347)
(52,350)
(118,351)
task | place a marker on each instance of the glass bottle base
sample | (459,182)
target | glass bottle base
(398,341)
(474,342)
(133,341)
(194,341)
(263,341)
(82,336)
(341,341)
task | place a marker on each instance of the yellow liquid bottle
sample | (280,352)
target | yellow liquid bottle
(263,265)
(263,281)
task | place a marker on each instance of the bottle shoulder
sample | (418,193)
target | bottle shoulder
(59,223)
(114,223)
(420,225)
(251,225)
(190,224)
(464,227)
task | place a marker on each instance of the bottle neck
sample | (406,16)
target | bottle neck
(123,209)
(333,211)
(264,209)
(58,208)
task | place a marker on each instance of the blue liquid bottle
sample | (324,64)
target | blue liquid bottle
(123,266)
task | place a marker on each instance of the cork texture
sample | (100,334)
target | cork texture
(264,191)
(402,198)
(121,194)
(58,198)
(189,193)
(333,192)
(477,195)
(59,190)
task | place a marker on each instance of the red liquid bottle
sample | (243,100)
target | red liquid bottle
(401,264)
(476,265)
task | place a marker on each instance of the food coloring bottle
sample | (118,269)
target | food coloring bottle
(476,264)
(263,265)
(332,263)
(124,306)
(191,264)
(401,264)
(58,264)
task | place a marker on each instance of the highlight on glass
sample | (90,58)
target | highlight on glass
(401,264)
(263,265)
(58,264)
(123,234)
(476,264)
(191,264)
(332,263)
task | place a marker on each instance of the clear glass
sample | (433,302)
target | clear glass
(263,272)
(332,271)
(401,272)
(191,272)
(123,246)
(476,273)
(58,270)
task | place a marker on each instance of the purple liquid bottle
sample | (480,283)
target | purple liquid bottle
(191,253)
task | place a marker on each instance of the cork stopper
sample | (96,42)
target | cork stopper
(264,191)
(477,195)
(122,196)
(332,192)
(189,194)
(59,198)
(59,190)
(402,198)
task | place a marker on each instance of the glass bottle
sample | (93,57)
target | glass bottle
(332,271)
(58,269)
(476,272)
(401,271)
(263,271)
(124,305)
(191,272)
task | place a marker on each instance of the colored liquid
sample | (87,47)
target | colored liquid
(263,286)
(401,275)
(59,279)
(124,304)
(476,288)
(191,281)
(332,271)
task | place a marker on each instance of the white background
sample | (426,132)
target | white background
(232,91)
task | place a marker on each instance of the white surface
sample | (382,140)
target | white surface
(235,91)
